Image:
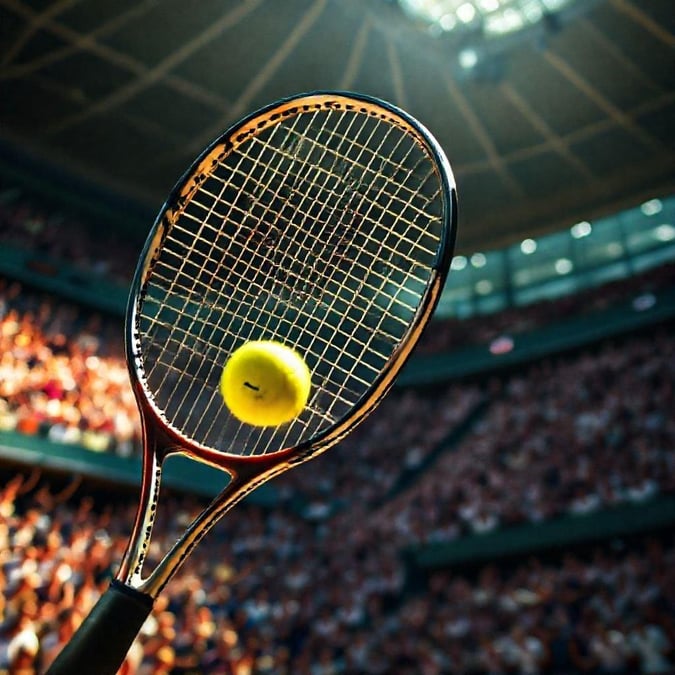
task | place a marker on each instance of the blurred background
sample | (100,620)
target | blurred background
(509,508)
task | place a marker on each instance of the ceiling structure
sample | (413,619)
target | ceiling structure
(560,123)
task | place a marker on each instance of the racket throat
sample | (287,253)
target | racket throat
(242,483)
(131,567)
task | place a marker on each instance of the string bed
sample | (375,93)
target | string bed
(319,231)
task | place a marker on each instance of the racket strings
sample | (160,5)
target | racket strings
(334,369)
(318,164)
(414,244)
(187,313)
(365,168)
(312,176)
(258,287)
(243,435)
(347,334)
(416,211)
(188,290)
(322,354)
(277,215)
(207,322)
(252,250)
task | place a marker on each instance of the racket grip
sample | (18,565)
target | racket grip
(102,641)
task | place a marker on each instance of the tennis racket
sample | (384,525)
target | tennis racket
(324,221)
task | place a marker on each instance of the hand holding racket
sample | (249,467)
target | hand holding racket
(325,222)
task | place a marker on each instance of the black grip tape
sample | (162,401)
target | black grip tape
(101,643)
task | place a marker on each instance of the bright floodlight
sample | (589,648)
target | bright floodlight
(495,17)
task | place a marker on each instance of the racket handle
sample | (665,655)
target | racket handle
(101,643)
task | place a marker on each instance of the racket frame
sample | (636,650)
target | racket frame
(161,439)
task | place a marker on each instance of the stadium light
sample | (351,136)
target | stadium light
(665,232)
(468,58)
(484,287)
(478,260)
(652,207)
(466,12)
(582,229)
(458,263)
(563,266)
(528,246)
(493,17)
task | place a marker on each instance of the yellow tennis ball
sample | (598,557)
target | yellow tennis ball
(265,383)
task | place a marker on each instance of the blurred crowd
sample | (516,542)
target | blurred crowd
(608,611)
(318,585)
(63,376)
(259,596)
(396,441)
(271,593)
(62,373)
(56,235)
(570,435)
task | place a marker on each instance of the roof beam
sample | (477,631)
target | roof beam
(618,115)
(475,125)
(34,24)
(554,141)
(644,20)
(263,76)
(356,55)
(160,71)
(89,42)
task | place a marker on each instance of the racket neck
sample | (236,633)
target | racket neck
(246,475)
(239,487)
(130,572)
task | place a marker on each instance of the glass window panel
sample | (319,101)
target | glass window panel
(540,265)
(649,226)
(458,280)
(604,244)
(640,230)
(458,292)
(457,308)
(492,272)
(547,291)
(656,257)
(542,272)
(491,303)
(607,273)
(583,255)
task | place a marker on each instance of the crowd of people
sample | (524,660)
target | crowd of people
(567,436)
(317,585)
(55,235)
(62,373)
(608,611)
(570,435)
(273,593)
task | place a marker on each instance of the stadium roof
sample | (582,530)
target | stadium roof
(570,117)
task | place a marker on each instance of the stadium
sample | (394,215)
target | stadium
(462,213)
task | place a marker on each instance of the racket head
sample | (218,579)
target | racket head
(325,221)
